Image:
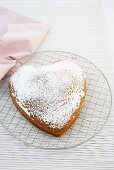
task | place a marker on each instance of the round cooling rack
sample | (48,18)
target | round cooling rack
(91,120)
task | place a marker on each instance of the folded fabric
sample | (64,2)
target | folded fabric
(19,36)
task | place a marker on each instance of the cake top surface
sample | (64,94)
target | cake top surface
(52,93)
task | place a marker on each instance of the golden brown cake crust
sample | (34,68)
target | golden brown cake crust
(42,125)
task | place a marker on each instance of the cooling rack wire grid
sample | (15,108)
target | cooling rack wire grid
(91,120)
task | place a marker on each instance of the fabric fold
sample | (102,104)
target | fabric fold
(19,36)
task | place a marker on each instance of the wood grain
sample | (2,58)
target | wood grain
(78,26)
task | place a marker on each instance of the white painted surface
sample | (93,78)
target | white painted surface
(80,27)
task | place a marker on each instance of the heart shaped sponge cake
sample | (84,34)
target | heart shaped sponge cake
(50,97)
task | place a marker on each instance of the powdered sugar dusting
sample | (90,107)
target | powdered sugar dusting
(52,93)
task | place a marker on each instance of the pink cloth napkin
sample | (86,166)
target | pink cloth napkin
(19,36)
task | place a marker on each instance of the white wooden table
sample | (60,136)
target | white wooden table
(80,27)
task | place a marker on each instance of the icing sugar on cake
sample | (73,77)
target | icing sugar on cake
(52,93)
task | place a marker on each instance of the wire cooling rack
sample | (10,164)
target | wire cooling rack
(91,120)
